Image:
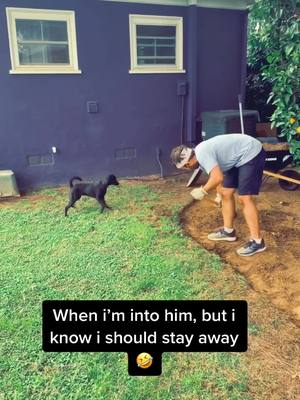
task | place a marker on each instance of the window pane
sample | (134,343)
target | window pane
(156,44)
(145,51)
(165,61)
(28,29)
(167,42)
(31,54)
(43,54)
(55,31)
(142,61)
(165,51)
(157,61)
(57,54)
(156,30)
(146,42)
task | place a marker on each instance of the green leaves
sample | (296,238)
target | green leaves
(276,46)
(288,49)
(270,97)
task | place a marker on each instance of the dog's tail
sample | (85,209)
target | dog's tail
(73,179)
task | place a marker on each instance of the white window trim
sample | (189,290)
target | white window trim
(220,4)
(134,20)
(68,16)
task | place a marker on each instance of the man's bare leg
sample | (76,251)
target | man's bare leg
(228,206)
(227,233)
(251,216)
(256,244)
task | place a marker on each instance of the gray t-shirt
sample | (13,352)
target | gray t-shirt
(227,151)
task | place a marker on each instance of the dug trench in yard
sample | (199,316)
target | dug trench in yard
(276,272)
(273,352)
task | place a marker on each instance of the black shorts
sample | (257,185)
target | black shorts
(246,178)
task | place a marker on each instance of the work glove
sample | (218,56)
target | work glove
(198,193)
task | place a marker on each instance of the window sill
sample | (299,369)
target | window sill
(157,71)
(44,71)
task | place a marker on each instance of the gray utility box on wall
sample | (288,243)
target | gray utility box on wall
(8,184)
(228,121)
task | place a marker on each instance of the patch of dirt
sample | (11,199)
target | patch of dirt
(272,361)
(275,272)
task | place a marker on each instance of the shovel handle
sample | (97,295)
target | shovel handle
(285,178)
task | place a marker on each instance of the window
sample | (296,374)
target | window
(42,41)
(156,44)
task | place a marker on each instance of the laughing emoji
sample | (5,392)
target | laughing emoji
(144,360)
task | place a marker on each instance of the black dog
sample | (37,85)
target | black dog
(97,191)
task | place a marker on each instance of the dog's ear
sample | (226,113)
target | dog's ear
(113,180)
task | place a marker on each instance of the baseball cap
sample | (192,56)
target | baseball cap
(180,155)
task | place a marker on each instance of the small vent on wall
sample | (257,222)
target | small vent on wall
(125,154)
(41,159)
(92,107)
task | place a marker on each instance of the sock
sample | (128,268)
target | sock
(258,241)
(228,230)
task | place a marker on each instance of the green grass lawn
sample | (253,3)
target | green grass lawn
(122,254)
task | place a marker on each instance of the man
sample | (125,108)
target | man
(233,162)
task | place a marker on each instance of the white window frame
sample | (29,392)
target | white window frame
(136,19)
(68,16)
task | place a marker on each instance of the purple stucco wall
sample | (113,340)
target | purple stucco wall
(220,58)
(135,110)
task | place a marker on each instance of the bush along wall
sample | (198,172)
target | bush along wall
(274,42)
